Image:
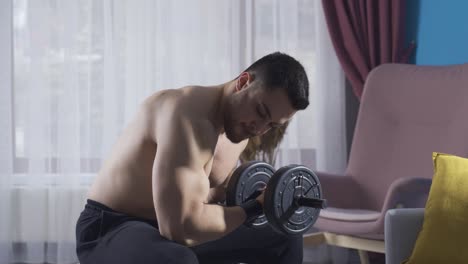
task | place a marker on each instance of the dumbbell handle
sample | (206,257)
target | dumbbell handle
(254,195)
(310,202)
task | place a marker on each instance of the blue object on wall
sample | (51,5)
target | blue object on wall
(440,30)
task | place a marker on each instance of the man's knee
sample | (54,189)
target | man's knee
(293,248)
(295,242)
(188,256)
(180,254)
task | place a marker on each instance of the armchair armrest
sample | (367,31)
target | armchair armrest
(402,227)
(338,190)
(407,193)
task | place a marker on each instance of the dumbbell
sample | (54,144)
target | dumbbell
(293,200)
(293,195)
(246,183)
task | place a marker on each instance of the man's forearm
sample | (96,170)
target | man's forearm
(211,222)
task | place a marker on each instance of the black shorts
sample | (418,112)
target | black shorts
(105,236)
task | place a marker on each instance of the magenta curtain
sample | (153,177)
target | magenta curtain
(365,34)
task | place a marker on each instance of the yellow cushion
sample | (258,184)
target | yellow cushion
(444,234)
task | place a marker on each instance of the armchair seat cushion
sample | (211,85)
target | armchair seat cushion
(352,215)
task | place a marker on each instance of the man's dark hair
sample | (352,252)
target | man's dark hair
(279,70)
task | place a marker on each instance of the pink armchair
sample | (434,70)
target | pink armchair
(406,113)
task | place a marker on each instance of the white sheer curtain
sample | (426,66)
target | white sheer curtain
(73,72)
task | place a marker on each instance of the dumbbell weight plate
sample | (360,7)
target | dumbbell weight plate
(245,181)
(285,184)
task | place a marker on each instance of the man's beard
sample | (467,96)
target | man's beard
(230,130)
(229,125)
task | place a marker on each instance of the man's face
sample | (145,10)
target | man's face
(252,111)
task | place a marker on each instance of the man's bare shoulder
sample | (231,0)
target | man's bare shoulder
(161,98)
(181,101)
(178,109)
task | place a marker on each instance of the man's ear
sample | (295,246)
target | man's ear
(243,80)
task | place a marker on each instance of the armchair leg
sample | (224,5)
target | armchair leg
(313,239)
(358,243)
(362,245)
(363,256)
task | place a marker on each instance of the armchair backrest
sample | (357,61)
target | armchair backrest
(406,113)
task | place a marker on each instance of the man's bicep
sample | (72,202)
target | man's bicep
(179,189)
(180,184)
(176,189)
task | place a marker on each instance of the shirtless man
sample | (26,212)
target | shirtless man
(157,198)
